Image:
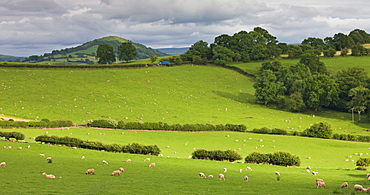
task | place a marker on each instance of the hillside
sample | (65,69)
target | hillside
(8,58)
(85,53)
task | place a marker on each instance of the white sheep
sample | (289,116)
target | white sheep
(277,173)
(82,157)
(314,173)
(117,172)
(221,176)
(245,178)
(121,169)
(202,175)
(240,170)
(210,176)
(344,185)
(320,184)
(20,148)
(248,168)
(128,160)
(90,171)
(3,164)
(368,175)
(48,176)
(152,165)
(74,148)
(104,162)
(225,170)
(358,187)
(319,180)
(43,155)
(147,159)
(48,158)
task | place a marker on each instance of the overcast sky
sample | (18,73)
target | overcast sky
(34,27)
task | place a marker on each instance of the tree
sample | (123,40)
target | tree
(350,78)
(267,88)
(360,99)
(222,55)
(296,102)
(153,58)
(314,42)
(127,51)
(320,130)
(105,54)
(330,52)
(359,36)
(342,41)
(313,62)
(201,49)
(294,51)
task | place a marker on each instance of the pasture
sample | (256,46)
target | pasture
(174,173)
(182,94)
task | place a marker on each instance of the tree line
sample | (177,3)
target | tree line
(259,44)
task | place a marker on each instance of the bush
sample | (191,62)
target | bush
(363,162)
(219,155)
(263,130)
(277,158)
(15,135)
(319,130)
(257,157)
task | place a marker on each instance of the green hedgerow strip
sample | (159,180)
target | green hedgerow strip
(133,148)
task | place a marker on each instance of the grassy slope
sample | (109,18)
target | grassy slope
(177,174)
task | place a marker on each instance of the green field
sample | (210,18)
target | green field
(174,172)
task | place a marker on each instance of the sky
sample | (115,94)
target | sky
(35,27)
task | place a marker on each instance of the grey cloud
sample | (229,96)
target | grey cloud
(24,6)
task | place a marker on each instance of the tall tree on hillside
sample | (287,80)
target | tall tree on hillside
(360,99)
(359,36)
(313,62)
(127,51)
(153,57)
(105,54)
(267,88)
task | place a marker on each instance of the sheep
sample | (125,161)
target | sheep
(358,187)
(210,176)
(245,178)
(152,165)
(90,171)
(104,162)
(48,158)
(314,173)
(121,169)
(368,175)
(221,176)
(320,184)
(28,146)
(42,155)
(225,170)
(74,148)
(240,170)
(117,172)
(48,176)
(20,148)
(147,159)
(344,185)
(202,175)
(248,168)
(277,173)
(3,164)
(82,157)
(128,160)
(319,180)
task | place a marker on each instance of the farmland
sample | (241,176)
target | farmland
(186,94)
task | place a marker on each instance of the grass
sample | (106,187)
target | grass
(175,173)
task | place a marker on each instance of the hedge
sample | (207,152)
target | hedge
(165,126)
(219,155)
(134,148)
(15,135)
(35,124)
(276,158)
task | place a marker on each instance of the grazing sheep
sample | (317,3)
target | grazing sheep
(147,159)
(82,157)
(9,147)
(320,184)
(48,176)
(48,158)
(245,178)
(152,165)
(210,176)
(240,170)
(105,162)
(20,148)
(117,172)
(358,187)
(3,164)
(344,185)
(90,171)
(368,175)
(43,155)
(319,180)
(74,148)
(128,160)
(314,173)
(248,168)
(121,169)
(28,146)
(221,176)
(277,173)
(202,175)
(308,167)
(225,170)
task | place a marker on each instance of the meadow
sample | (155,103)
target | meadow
(174,172)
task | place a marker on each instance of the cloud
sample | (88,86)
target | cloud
(34,6)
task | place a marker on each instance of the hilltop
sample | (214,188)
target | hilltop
(85,53)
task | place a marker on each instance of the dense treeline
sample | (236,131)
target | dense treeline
(133,148)
(36,124)
(276,158)
(259,44)
(164,126)
(219,155)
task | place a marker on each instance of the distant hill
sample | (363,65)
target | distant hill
(85,53)
(174,51)
(8,58)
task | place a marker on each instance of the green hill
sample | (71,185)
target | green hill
(85,53)
(8,58)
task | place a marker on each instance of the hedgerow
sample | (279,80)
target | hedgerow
(134,148)
(276,158)
(15,135)
(35,124)
(219,155)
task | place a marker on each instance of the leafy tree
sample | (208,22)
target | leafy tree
(296,102)
(349,78)
(201,49)
(222,55)
(153,58)
(359,50)
(330,52)
(342,41)
(314,42)
(274,66)
(283,47)
(359,36)
(319,130)
(313,62)
(363,162)
(294,51)
(127,51)
(270,40)
(105,54)
(267,88)
(343,52)
(360,99)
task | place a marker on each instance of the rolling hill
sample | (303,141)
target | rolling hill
(85,53)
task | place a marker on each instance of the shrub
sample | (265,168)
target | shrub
(319,130)
(219,155)
(363,162)
(263,130)
(257,157)
(284,159)
(15,135)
